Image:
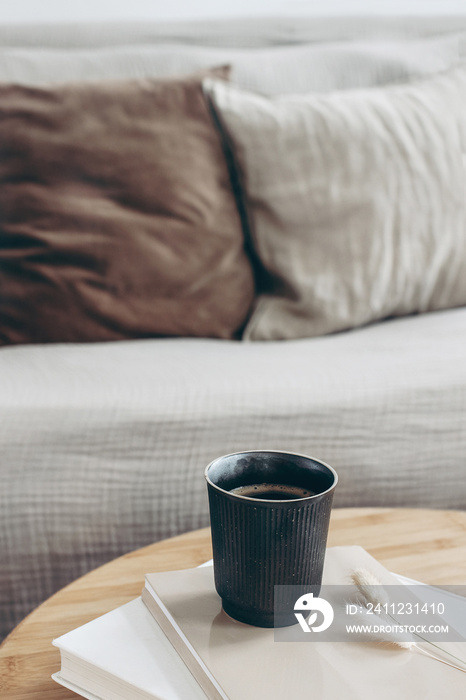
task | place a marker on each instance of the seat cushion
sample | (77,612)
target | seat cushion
(103,446)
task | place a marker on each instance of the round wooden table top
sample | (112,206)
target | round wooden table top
(426,545)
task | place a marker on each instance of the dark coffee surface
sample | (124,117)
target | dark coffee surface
(272,492)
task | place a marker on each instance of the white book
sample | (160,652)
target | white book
(235,661)
(125,655)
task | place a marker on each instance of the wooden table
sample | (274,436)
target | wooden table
(426,545)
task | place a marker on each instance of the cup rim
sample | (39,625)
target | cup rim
(270,500)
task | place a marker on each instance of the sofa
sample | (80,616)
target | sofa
(104,440)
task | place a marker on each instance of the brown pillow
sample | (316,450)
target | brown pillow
(117,216)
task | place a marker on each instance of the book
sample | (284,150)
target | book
(125,654)
(234,661)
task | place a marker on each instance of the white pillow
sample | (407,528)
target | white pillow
(356,201)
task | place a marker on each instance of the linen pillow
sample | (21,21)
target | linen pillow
(117,216)
(356,201)
(270,70)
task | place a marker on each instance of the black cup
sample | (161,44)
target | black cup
(262,542)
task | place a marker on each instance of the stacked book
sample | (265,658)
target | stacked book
(176,643)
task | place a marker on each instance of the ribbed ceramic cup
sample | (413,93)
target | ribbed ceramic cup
(260,543)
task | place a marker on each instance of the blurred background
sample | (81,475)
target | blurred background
(102,10)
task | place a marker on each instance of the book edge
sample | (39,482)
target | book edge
(58,678)
(185,650)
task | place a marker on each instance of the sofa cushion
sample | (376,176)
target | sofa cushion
(234,32)
(356,201)
(284,69)
(117,216)
(103,446)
